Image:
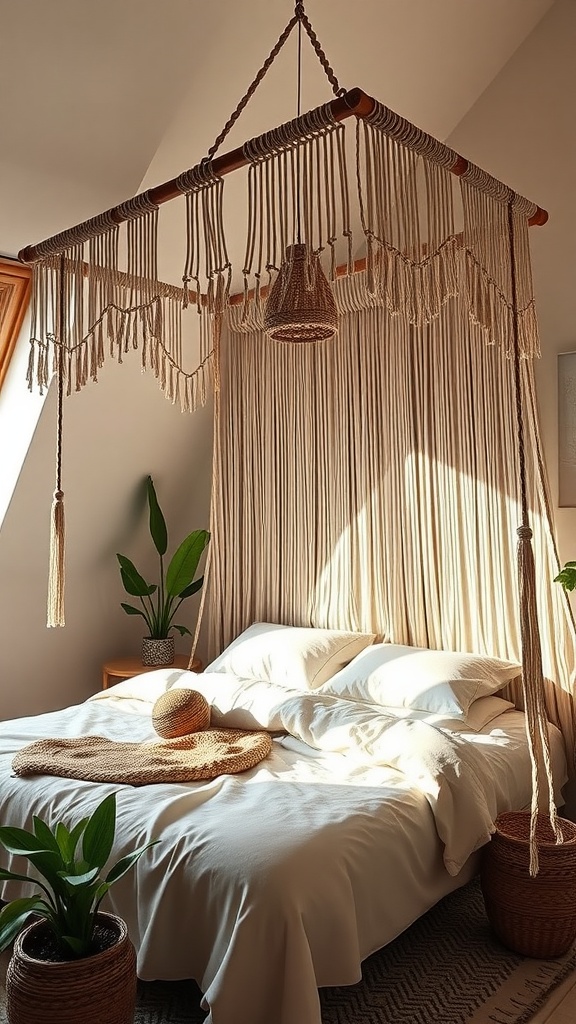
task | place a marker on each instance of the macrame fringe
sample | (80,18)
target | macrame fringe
(298,194)
(506,314)
(55,605)
(409,208)
(114,312)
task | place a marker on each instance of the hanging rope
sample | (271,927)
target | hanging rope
(55,609)
(298,18)
(532,674)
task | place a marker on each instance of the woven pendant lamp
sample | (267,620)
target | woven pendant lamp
(300,305)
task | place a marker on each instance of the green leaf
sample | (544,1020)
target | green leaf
(131,610)
(192,589)
(13,876)
(134,583)
(181,629)
(45,835)
(19,841)
(184,563)
(99,833)
(158,530)
(127,862)
(567,577)
(48,864)
(64,840)
(77,831)
(14,916)
(100,894)
(84,879)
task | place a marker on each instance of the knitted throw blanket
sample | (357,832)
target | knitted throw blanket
(199,755)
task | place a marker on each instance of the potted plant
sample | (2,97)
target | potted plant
(159,602)
(74,962)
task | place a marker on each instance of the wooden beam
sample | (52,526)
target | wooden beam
(355,102)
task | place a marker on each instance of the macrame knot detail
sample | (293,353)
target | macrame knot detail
(58,495)
(524,533)
(137,206)
(485,183)
(197,177)
(398,128)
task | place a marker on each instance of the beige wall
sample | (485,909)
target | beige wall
(116,432)
(523,130)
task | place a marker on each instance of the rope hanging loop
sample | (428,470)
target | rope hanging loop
(299,17)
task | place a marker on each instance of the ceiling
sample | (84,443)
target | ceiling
(108,93)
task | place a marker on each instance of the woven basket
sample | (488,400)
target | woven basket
(300,306)
(533,916)
(92,990)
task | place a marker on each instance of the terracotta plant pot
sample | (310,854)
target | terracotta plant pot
(92,990)
(157,652)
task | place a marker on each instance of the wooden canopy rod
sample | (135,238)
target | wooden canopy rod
(355,101)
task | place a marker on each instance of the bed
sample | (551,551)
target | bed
(269,884)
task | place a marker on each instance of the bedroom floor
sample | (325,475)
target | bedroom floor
(560,1008)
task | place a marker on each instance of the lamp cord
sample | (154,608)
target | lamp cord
(299,111)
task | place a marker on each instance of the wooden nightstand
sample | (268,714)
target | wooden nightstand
(126,668)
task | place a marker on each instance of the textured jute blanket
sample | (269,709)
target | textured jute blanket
(199,755)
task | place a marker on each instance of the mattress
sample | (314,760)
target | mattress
(270,884)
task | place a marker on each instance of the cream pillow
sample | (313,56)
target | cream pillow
(485,710)
(440,682)
(296,657)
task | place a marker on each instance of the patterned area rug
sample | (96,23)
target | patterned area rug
(446,969)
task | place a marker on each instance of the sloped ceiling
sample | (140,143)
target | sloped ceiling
(93,89)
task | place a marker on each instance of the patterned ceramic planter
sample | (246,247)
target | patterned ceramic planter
(157,652)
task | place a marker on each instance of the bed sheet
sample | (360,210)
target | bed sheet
(270,884)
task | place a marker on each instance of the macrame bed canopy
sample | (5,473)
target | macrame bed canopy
(383,218)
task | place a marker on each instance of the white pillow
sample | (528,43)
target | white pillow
(297,657)
(441,682)
(485,710)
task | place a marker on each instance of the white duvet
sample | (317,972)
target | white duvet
(269,884)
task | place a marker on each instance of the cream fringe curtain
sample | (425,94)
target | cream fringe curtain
(372,483)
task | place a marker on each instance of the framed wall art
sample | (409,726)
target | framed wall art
(567,430)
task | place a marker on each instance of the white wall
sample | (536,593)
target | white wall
(523,130)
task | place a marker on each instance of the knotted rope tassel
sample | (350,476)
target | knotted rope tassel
(532,670)
(55,612)
(56,571)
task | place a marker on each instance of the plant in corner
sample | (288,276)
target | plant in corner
(72,947)
(159,602)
